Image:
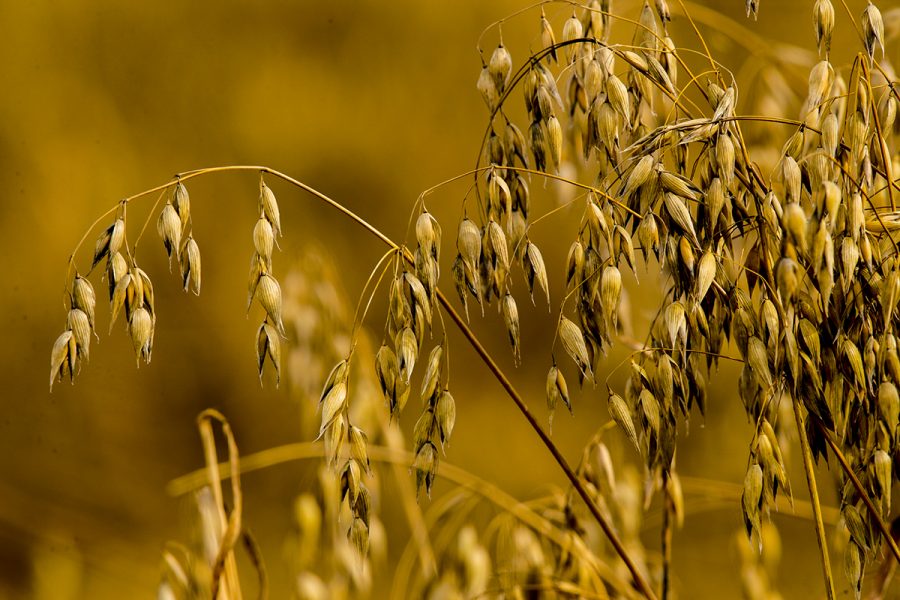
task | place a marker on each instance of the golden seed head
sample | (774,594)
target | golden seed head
(257,269)
(268,292)
(141,328)
(333,438)
(333,405)
(182,204)
(821,78)
(386,370)
(889,405)
(445,415)
(873,28)
(548,40)
(752,497)
(510,314)
(119,298)
(190,265)
(554,140)
(169,228)
(78,323)
(428,234)
(533,263)
(499,197)
(573,343)
(268,207)
(706,273)
(359,446)
(268,345)
(431,380)
(500,67)
(407,351)
(823,20)
(572,29)
(680,215)
(63,357)
(488,89)
(116,268)
(497,244)
(575,264)
(468,242)
(538,146)
(425,466)
(264,239)
(83,297)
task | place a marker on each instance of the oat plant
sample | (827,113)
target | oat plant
(771,222)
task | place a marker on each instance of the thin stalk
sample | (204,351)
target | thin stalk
(870,506)
(814,498)
(885,158)
(639,579)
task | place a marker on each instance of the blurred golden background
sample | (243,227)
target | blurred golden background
(369,102)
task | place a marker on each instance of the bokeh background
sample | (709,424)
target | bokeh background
(370,102)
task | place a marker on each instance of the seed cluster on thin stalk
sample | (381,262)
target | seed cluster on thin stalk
(130,288)
(796,268)
(791,262)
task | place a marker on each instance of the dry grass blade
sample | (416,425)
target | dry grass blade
(224,572)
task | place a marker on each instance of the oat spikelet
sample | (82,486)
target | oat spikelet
(268,345)
(548,40)
(78,323)
(109,242)
(535,270)
(823,20)
(169,228)
(573,343)
(141,328)
(500,67)
(511,319)
(268,207)
(83,297)
(268,292)
(554,141)
(618,410)
(182,202)
(190,265)
(873,29)
(62,357)
(445,416)
(557,390)
(264,239)
(488,88)
(431,380)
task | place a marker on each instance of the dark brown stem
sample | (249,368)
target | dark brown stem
(639,579)
(870,506)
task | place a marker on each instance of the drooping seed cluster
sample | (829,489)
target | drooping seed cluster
(263,286)
(797,269)
(412,302)
(130,288)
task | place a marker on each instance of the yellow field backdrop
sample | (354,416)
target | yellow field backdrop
(369,102)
